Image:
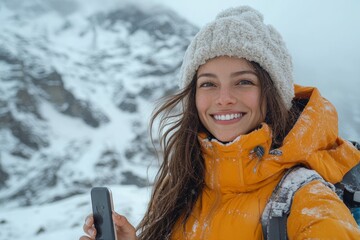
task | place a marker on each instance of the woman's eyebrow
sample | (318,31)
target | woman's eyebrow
(207,75)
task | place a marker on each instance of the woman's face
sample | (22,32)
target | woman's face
(228,95)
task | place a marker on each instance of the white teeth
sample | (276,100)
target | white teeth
(227,117)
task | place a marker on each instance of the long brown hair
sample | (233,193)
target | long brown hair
(181,174)
(180,179)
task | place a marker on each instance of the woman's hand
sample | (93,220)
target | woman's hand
(124,230)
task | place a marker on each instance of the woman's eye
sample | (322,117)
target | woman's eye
(207,84)
(245,82)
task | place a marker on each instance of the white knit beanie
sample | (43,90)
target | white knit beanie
(240,32)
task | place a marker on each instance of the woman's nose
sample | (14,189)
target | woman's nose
(226,96)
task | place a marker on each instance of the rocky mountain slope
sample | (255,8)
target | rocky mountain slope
(72,85)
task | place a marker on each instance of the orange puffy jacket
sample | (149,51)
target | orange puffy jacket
(238,184)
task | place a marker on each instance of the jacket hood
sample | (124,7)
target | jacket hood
(248,162)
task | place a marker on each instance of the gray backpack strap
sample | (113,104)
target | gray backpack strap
(274,217)
(349,187)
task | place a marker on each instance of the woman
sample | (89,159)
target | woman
(242,124)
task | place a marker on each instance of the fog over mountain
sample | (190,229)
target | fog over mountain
(78,82)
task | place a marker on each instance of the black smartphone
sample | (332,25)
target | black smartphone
(102,206)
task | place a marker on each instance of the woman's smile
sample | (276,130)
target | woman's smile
(227,118)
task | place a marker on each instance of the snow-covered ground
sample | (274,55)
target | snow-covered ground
(64,219)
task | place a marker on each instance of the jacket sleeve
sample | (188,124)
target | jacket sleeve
(318,213)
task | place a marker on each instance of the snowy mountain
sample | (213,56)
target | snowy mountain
(77,89)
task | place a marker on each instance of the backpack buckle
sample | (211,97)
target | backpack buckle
(351,198)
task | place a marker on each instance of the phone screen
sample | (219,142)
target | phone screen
(102,206)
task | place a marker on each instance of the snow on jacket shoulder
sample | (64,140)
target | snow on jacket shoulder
(318,213)
(238,183)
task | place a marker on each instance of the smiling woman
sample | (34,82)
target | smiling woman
(228,98)
(230,134)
